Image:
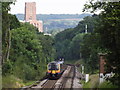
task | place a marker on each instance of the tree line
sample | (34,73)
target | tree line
(26,51)
(75,44)
(102,37)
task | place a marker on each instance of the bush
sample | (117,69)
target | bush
(6,67)
(10,81)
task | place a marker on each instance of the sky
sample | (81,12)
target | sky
(51,6)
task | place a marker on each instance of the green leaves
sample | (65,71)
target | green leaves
(14,22)
(47,43)
(68,42)
(25,42)
(25,50)
(109,31)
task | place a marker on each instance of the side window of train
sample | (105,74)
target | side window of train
(49,66)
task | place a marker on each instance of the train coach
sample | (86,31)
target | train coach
(54,70)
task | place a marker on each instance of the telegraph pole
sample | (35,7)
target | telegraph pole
(86,29)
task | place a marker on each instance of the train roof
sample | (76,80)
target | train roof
(56,62)
(52,62)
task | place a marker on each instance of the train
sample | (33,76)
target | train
(54,69)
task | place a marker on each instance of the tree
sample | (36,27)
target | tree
(109,31)
(75,46)
(68,42)
(47,43)
(26,50)
(89,50)
(5,31)
(14,22)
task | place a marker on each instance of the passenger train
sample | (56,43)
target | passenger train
(54,69)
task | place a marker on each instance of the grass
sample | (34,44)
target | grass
(11,81)
(93,82)
(107,84)
(29,83)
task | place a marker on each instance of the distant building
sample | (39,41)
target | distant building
(37,24)
(30,15)
(30,11)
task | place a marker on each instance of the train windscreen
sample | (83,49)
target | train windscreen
(53,66)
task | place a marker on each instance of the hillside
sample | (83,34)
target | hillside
(55,16)
(55,23)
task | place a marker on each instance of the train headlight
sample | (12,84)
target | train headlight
(53,72)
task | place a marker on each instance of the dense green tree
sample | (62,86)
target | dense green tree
(68,41)
(5,30)
(109,31)
(14,22)
(47,43)
(89,21)
(89,52)
(30,27)
(26,50)
(25,42)
(75,46)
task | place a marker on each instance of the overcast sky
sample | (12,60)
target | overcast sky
(51,6)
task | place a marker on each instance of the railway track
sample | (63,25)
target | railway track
(50,84)
(65,81)
(68,79)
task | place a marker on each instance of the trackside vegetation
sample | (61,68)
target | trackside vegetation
(26,52)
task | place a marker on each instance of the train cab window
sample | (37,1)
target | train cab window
(53,66)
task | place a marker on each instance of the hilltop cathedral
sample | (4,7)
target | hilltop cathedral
(30,15)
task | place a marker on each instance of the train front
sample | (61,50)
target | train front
(53,70)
